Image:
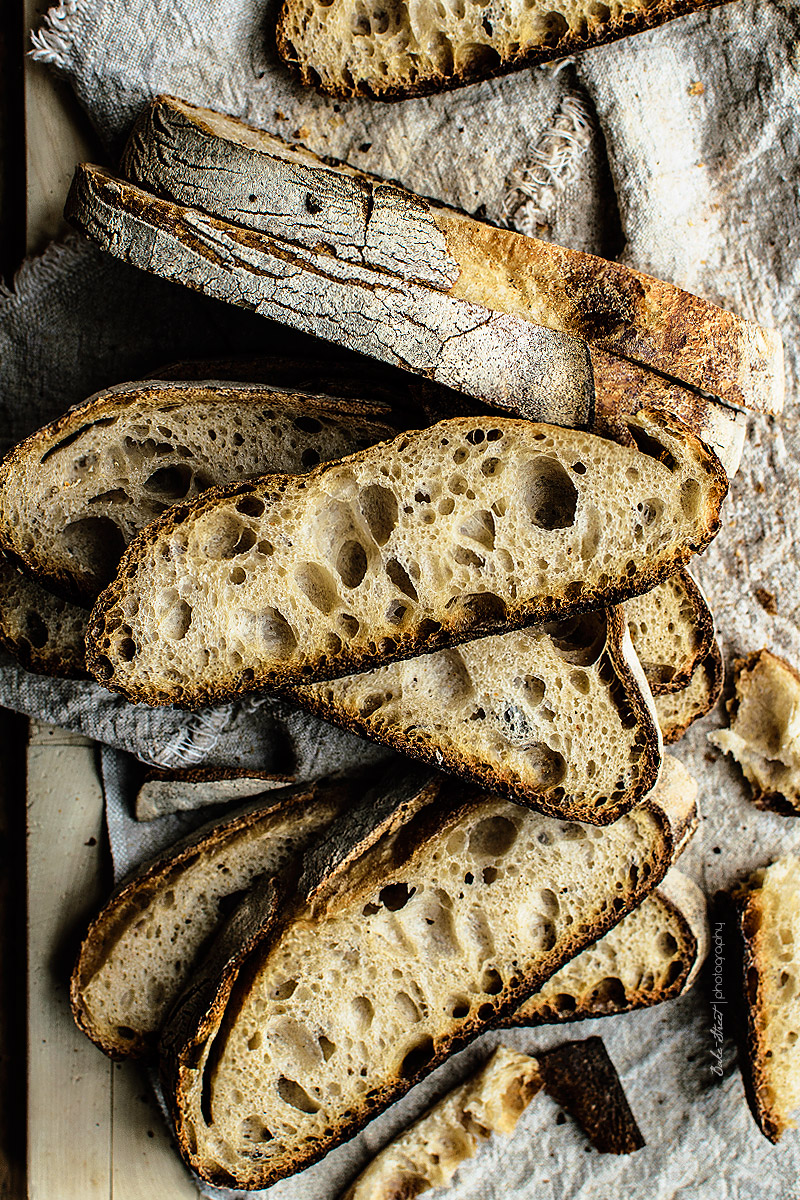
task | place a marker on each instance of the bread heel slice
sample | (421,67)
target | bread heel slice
(676,711)
(452,532)
(672,630)
(767,922)
(663,343)
(386,958)
(497,358)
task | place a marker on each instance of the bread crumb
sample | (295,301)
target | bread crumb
(767,600)
(695,89)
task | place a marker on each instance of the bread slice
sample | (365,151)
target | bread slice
(138,953)
(672,629)
(653,955)
(74,494)
(391,52)
(440,536)
(214,163)
(189,789)
(676,711)
(379,961)
(497,358)
(768,921)
(45,633)
(558,717)
(764,735)
(429,1152)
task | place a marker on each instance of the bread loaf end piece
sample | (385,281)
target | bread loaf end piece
(768,922)
(672,629)
(676,711)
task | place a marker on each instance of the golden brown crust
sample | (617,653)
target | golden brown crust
(205,1018)
(747,916)
(571,43)
(712,669)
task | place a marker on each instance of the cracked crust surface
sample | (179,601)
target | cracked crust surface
(257,180)
(495,357)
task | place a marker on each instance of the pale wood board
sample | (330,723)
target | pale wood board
(94,1130)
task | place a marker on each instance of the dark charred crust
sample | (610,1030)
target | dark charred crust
(581,1078)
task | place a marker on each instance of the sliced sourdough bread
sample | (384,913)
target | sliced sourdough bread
(440,536)
(653,955)
(45,633)
(424,917)
(139,951)
(768,921)
(672,629)
(391,52)
(189,789)
(676,711)
(212,162)
(429,1152)
(74,494)
(558,718)
(764,734)
(501,359)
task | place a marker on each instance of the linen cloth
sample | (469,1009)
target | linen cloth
(680,153)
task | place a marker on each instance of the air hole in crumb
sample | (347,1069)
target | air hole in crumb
(550,496)
(417,1058)
(492,982)
(170,482)
(253,1129)
(395,896)
(652,446)
(492,837)
(97,542)
(317,586)
(379,506)
(250,506)
(293,1094)
(400,578)
(351,564)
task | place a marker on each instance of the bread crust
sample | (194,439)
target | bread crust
(43,632)
(703,623)
(744,910)
(464,623)
(215,1001)
(572,43)
(545,374)
(219,164)
(446,756)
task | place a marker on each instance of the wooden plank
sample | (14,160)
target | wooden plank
(58,136)
(144,1162)
(69,1081)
